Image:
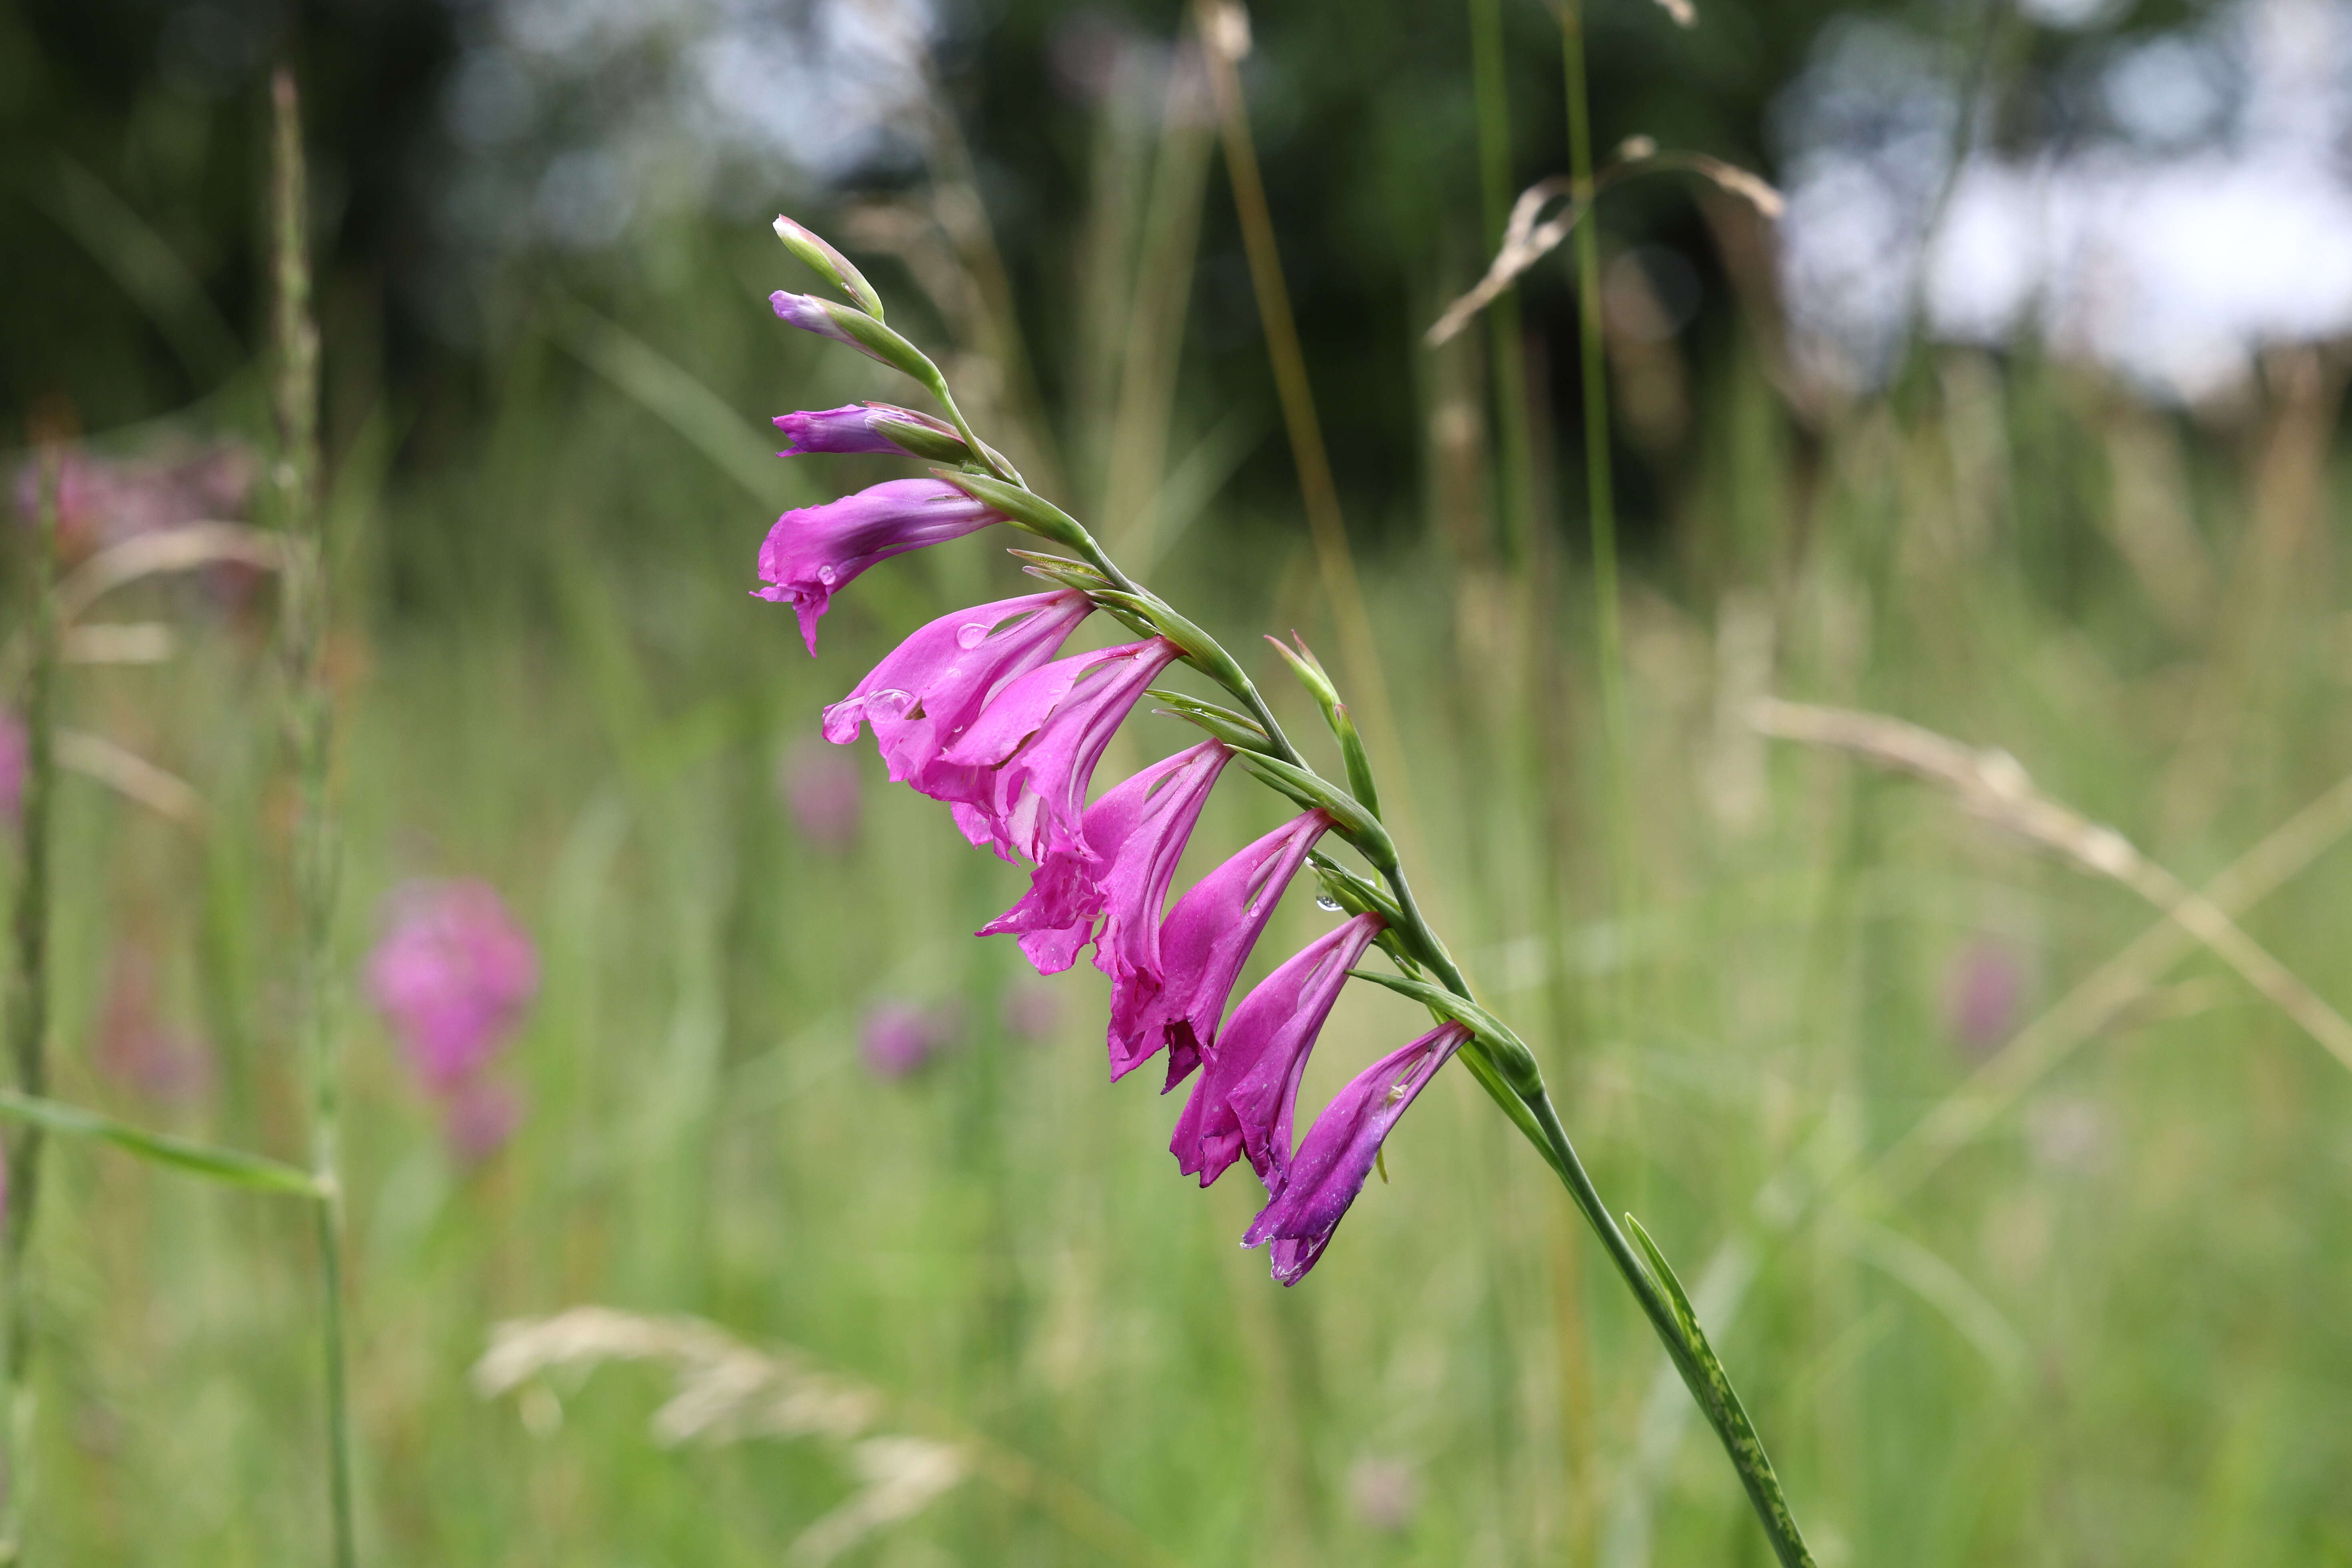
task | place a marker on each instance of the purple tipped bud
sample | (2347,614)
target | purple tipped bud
(871,428)
(859,331)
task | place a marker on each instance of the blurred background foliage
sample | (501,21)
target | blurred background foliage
(2000,432)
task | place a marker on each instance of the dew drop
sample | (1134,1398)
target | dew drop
(1325,901)
(971,633)
(827,575)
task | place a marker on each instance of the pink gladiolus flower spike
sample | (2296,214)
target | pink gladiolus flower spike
(1017,778)
(1202,945)
(1331,1166)
(814,549)
(927,693)
(1138,832)
(1246,1097)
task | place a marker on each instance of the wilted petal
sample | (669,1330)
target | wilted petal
(1331,1166)
(1243,1102)
(1022,768)
(1137,833)
(813,551)
(931,686)
(1202,945)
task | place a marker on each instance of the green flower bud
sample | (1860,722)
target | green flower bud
(829,264)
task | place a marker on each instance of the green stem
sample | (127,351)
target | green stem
(1517,467)
(28,1009)
(1601,492)
(310,721)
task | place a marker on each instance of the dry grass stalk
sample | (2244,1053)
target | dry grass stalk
(727,1392)
(1994,787)
(132,776)
(1527,242)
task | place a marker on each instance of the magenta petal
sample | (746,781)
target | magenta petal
(1137,832)
(814,550)
(931,686)
(1243,1103)
(1022,768)
(1331,1166)
(1203,943)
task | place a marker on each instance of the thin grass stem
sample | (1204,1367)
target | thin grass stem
(294,478)
(28,1005)
(1224,39)
(1608,651)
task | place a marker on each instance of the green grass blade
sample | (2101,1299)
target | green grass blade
(229,1165)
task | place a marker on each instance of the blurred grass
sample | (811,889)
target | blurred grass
(2106,1332)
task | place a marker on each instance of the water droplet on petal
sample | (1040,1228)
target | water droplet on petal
(971,633)
(1325,901)
(827,575)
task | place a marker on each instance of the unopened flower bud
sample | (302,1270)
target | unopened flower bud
(829,264)
(861,331)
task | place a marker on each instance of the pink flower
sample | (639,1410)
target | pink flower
(1982,988)
(453,975)
(15,755)
(814,549)
(1243,1102)
(1137,833)
(478,1118)
(1018,777)
(104,500)
(1331,1166)
(852,428)
(899,1038)
(1384,1493)
(930,687)
(820,788)
(1202,945)
(135,1047)
(1030,1011)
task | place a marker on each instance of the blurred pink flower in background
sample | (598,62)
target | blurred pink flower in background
(1031,1010)
(478,1117)
(1384,1493)
(900,1038)
(13,758)
(1983,986)
(105,501)
(453,975)
(823,794)
(136,1048)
